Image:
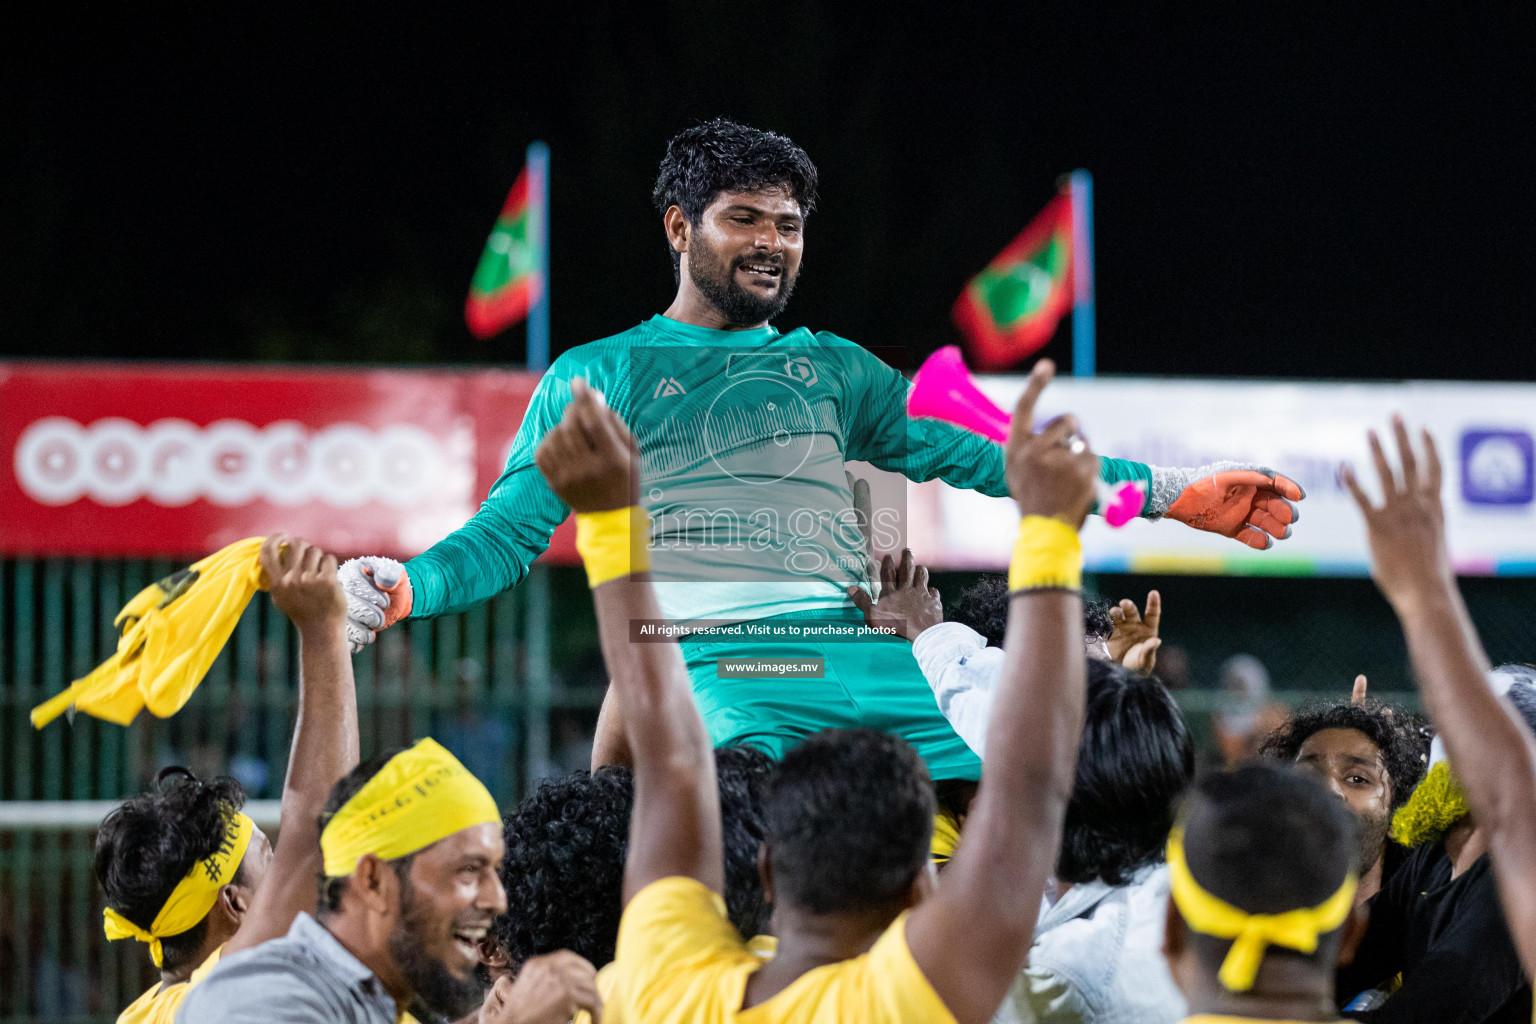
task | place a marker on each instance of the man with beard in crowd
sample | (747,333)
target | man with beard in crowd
(743,434)
(410,843)
(1371,756)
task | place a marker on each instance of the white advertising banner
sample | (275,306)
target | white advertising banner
(1484,432)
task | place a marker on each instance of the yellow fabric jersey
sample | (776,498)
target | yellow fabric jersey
(680,961)
(159,1004)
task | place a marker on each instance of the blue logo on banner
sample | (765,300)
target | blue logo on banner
(1498,467)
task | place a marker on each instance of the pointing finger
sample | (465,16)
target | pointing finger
(1357,695)
(1024,411)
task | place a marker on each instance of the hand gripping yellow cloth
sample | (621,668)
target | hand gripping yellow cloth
(170,634)
(193,897)
(421,795)
(1252,933)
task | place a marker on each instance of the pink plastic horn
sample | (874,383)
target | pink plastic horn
(943,390)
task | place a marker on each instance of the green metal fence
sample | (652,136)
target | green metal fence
(512,687)
(490,684)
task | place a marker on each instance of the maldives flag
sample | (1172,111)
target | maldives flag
(507,279)
(1011,308)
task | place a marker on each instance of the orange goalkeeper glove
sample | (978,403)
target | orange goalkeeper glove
(1253,504)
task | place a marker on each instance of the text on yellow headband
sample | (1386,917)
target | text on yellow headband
(420,796)
(193,897)
(1252,934)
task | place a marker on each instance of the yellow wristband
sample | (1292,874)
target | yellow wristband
(613,543)
(1047,553)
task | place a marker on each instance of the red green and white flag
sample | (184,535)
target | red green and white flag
(507,279)
(1011,308)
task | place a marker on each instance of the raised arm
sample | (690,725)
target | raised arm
(1492,750)
(591,461)
(973,936)
(302,580)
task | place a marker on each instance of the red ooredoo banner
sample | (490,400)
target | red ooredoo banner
(165,459)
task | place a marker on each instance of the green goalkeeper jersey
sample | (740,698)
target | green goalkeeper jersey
(743,436)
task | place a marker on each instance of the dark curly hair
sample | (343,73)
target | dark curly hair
(725,156)
(850,818)
(566,843)
(1133,767)
(147,845)
(983,606)
(1400,735)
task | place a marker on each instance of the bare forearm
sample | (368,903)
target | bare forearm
(1033,736)
(675,825)
(325,745)
(610,747)
(972,937)
(324,749)
(1491,750)
(1494,754)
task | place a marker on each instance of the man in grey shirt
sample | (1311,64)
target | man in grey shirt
(411,843)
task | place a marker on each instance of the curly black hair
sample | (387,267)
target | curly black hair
(147,845)
(564,867)
(726,156)
(1400,735)
(850,818)
(983,606)
(1134,765)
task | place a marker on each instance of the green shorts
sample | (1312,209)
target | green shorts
(869,683)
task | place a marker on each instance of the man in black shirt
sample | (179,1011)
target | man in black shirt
(1439,924)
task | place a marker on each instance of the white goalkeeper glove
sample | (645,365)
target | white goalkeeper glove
(378,595)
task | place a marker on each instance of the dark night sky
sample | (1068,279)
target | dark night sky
(1318,190)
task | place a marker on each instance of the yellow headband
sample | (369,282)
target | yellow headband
(193,897)
(1252,934)
(421,795)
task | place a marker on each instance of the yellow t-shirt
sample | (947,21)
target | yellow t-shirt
(762,946)
(679,961)
(159,1004)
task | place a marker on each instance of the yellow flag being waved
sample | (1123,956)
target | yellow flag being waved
(170,634)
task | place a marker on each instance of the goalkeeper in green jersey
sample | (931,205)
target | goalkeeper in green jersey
(743,433)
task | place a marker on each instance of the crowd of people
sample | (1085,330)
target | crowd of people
(993,818)
(1348,872)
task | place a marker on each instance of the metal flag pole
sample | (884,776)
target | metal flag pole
(540,681)
(538,208)
(1083,341)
